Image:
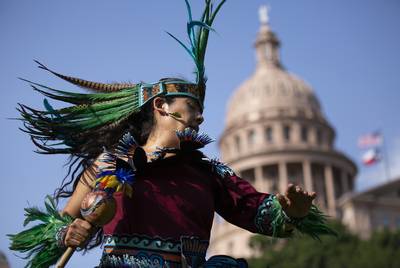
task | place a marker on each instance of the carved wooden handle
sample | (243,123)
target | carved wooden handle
(65,257)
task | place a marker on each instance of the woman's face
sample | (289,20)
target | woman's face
(181,113)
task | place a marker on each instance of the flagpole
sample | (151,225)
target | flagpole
(385,158)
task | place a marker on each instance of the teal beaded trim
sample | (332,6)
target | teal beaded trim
(271,219)
(143,242)
(263,218)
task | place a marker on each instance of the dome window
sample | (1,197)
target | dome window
(251,137)
(268,134)
(350,182)
(304,134)
(286,133)
(237,143)
(319,137)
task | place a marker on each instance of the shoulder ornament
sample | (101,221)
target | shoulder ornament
(221,169)
(117,171)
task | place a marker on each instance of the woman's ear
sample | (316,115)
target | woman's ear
(160,105)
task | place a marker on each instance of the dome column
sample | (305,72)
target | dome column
(308,184)
(330,191)
(345,184)
(296,133)
(259,178)
(283,177)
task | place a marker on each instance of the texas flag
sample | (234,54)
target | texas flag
(371,157)
(370,140)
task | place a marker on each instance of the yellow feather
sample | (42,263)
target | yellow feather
(119,188)
(128,190)
(112,182)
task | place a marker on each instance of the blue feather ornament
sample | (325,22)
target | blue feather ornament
(220,168)
(192,140)
(126,144)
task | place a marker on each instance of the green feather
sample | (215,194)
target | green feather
(314,224)
(50,109)
(176,115)
(197,31)
(88,113)
(39,242)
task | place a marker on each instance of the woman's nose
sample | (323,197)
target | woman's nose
(199,118)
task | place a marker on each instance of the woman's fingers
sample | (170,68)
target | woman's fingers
(78,233)
(81,227)
(297,201)
(73,242)
(84,224)
(291,189)
(283,200)
(312,195)
(295,191)
(298,189)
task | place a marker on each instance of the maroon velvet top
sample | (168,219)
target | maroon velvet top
(177,196)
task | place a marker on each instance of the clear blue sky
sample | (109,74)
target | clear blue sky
(347,50)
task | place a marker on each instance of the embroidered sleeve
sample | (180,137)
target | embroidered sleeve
(271,220)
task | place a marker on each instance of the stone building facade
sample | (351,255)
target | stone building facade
(276,134)
(376,208)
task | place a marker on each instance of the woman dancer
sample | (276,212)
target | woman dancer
(139,143)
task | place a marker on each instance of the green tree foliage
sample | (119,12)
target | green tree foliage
(382,250)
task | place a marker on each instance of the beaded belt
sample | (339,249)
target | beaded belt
(146,252)
(140,252)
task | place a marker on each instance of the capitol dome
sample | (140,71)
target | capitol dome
(273,110)
(271,89)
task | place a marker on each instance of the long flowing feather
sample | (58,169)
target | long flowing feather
(95,86)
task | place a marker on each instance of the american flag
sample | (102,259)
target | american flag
(370,140)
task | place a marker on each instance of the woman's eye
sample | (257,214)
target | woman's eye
(191,106)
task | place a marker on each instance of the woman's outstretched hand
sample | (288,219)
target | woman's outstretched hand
(296,202)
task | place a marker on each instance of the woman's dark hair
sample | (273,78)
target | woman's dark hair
(139,125)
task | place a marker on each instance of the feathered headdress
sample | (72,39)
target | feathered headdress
(75,129)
